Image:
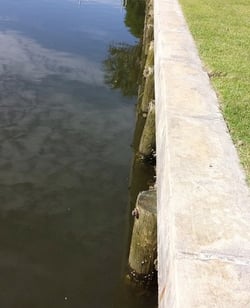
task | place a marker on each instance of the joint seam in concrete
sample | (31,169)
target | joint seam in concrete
(208,256)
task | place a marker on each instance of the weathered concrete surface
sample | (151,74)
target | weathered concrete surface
(203,201)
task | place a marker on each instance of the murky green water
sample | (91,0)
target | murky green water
(64,157)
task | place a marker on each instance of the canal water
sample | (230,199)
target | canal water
(64,156)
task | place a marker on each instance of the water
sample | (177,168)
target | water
(64,157)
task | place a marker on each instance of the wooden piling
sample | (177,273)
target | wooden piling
(143,249)
(147,142)
(148,32)
(148,94)
(148,91)
(148,36)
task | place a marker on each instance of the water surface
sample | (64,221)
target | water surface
(64,156)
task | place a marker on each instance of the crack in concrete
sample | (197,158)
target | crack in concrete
(209,256)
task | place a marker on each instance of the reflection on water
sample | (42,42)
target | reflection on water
(123,65)
(134,19)
(23,58)
(122,68)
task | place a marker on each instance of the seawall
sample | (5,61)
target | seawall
(203,204)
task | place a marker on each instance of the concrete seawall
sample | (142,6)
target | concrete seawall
(202,198)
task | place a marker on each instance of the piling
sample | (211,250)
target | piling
(147,39)
(148,32)
(143,248)
(147,142)
(148,73)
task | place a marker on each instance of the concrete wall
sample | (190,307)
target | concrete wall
(203,201)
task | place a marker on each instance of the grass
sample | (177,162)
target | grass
(221,29)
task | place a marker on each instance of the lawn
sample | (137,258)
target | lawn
(221,29)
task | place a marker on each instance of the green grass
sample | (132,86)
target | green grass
(221,29)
